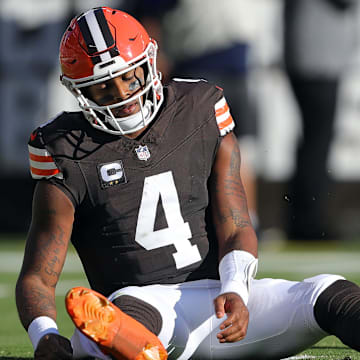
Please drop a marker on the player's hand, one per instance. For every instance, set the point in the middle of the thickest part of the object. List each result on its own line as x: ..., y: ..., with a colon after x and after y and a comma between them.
x: 234, y: 328
x: 53, y: 346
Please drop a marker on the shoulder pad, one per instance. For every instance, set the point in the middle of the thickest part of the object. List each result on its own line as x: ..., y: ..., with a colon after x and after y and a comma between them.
x: 188, y: 80
x: 212, y: 94
x: 197, y: 91
x: 188, y: 85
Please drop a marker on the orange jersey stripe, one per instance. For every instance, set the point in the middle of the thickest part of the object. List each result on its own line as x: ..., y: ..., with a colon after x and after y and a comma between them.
x: 222, y: 110
x: 42, y: 172
x: 41, y: 158
x: 226, y: 122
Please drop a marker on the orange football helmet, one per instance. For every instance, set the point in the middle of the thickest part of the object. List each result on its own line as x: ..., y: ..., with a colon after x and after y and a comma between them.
x: 99, y: 45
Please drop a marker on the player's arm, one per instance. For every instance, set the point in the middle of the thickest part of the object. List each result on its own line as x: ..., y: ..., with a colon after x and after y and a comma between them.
x: 45, y: 252
x: 236, y: 240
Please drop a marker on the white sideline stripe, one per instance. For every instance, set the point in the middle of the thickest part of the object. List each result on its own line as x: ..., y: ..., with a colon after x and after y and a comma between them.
x: 6, y: 291
x: 11, y: 261
x: 303, y: 264
x: 288, y: 262
x: 63, y: 286
x: 305, y: 357
x: 310, y: 263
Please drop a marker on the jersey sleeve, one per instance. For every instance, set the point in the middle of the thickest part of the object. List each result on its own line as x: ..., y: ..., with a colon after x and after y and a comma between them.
x: 223, y: 116
x: 63, y: 174
x: 42, y: 164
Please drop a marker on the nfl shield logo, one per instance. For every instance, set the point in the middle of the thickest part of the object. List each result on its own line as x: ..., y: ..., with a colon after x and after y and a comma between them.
x: 142, y: 152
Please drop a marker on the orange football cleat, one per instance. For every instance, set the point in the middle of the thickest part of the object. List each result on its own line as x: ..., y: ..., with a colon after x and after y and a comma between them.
x: 115, y: 332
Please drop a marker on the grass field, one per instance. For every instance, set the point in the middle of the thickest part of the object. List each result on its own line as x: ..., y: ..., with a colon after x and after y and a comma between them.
x: 291, y: 261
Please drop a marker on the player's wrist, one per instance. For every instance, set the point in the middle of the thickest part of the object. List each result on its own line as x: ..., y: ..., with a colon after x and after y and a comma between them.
x: 40, y: 327
x: 236, y: 287
x: 237, y: 269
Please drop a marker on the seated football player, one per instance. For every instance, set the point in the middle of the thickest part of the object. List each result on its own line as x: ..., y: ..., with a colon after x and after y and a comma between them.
x: 144, y: 181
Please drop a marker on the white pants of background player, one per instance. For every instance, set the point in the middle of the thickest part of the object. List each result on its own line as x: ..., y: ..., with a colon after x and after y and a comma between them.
x: 281, y: 322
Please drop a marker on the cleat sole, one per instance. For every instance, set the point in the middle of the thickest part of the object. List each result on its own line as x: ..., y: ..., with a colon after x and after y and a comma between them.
x: 92, y: 314
x: 115, y: 332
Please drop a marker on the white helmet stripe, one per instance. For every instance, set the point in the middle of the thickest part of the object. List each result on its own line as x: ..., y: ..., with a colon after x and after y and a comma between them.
x: 97, y: 35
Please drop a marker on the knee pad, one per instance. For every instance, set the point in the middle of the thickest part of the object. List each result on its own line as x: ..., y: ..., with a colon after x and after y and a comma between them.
x: 141, y: 311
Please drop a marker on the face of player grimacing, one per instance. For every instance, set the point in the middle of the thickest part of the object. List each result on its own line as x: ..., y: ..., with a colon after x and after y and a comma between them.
x: 119, y: 89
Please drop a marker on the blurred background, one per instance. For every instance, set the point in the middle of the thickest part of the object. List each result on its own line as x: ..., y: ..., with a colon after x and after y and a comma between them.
x: 290, y: 70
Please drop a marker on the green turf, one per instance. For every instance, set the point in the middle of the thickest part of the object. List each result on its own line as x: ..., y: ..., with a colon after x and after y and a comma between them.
x: 14, y: 342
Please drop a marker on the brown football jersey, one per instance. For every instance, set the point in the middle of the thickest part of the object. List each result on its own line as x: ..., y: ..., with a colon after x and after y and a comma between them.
x: 140, y: 204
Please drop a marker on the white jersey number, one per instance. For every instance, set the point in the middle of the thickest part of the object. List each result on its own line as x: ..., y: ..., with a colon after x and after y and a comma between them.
x: 177, y: 233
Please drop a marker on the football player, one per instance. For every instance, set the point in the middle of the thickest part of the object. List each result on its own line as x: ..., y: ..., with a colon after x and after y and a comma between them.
x: 144, y: 181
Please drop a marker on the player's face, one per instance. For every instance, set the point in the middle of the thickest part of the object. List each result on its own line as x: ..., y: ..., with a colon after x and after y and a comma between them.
x: 119, y: 89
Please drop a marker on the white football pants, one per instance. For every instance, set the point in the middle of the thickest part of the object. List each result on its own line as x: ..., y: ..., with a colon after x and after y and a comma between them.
x: 281, y: 322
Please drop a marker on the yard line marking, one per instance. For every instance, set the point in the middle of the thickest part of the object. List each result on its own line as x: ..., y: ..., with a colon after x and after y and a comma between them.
x: 309, y: 263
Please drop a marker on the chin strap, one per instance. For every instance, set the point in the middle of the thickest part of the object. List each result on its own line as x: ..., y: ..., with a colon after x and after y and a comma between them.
x: 132, y: 122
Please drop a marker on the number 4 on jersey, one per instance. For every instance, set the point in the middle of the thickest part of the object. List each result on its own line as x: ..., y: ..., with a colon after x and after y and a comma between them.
x: 177, y: 233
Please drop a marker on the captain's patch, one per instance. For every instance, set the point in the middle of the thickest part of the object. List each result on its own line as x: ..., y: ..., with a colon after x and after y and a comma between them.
x: 111, y: 174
